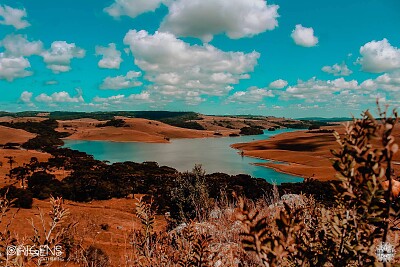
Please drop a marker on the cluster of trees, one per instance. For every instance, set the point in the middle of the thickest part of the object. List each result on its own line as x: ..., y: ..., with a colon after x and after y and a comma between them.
x: 113, y: 123
x: 91, y: 179
x: 105, y: 115
x: 251, y: 130
x: 301, y: 124
x: 47, y: 137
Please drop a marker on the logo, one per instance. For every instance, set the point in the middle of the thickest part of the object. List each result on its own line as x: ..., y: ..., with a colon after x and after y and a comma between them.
x: 43, y: 253
x: 385, y: 252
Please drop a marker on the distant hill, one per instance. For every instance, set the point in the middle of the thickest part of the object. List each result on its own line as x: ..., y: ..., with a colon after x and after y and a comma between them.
x: 190, y: 120
x: 320, y: 119
x: 108, y: 115
x: 174, y: 118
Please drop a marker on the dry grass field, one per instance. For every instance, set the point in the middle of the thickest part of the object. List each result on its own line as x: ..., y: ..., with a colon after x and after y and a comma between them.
x: 304, y: 154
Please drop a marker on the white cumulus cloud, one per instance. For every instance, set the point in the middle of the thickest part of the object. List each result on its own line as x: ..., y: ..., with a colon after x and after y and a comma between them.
x: 205, y: 18
x: 278, y: 84
x: 315, y: 90
x: 114, y: 99
x: 13, y: 17
x: 379, y: 56
x: 13, y: 67
x: 338, y: 70
x: 19, y: 45
x: 60, y: 97
x: 111, y: 56
x: 176, y: 68
x: 387, y: 82
x: 122, y: 82
x: 132, y: 8
x: 304, y: 36
x: 26, y: 98
x: 251, y: 95
x: 119, y: 100
x: 144, y: 96
x: 58, y: 57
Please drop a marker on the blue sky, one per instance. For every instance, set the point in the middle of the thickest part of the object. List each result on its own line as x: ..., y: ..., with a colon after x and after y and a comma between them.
x: 282, y: 58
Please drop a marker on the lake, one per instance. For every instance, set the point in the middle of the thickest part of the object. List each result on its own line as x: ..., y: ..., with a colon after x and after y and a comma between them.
x: 215, y: 154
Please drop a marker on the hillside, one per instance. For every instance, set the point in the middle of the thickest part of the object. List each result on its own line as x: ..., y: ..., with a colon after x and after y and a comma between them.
x: 10, y: 135
x: 135, y: 130
x: 304, y: 153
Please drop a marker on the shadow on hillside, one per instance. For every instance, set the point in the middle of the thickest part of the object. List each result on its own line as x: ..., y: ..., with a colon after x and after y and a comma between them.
x: 305, y: 143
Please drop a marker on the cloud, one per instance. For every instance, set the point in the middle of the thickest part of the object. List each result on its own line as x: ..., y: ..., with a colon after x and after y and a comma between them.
x: 315, y: 90
x: 278, y: 84
x: 341, y: 94
x: 379, y: 56
x: 337, y: 70
x: 51, y: 82
x: 331, y: 95
x: 132, y: 8
x: 387, y: 82
x: 26, y: 98
x: 304, y: 36
x: 122, y: 82
x: 118, y: 100
x: 251, y: 95
x: 144, y: 96
x: 111, y: 56
x: 193, y: 98
x: 60, y: 97
x: 18, y: 45
x: 254, y: 94
x: 13, y: 17
x: 13, y: 67
x: 205, y: 18
x: 176, y: 68
x: 58, y: 57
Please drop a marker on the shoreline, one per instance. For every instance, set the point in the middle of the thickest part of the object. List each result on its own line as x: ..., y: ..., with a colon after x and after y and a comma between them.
x: 272, y: 161
x: 116, y: 141
x: 148, y: 141
x: 281, y: 171
x: 297, y: 153
x: 287, y: 163
x: 303, y: 154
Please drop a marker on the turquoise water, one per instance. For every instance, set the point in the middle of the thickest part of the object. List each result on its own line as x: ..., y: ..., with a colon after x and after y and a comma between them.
x: 215, y: 154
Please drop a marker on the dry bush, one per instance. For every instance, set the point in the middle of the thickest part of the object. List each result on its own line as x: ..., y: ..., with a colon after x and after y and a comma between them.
x: 190, y: 197
x: 6, y: 239
x: 149, y: 248
x: 212, y: 242
x: 95, y: 257
x: 294, y: 230
x: 347, y: 234
x: 52, y: 233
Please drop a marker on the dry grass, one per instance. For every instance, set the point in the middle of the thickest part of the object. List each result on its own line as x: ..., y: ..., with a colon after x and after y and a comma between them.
x: 305, y: 154
x: 139, y: 130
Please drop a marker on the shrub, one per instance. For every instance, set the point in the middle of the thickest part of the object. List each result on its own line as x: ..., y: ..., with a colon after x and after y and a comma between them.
x: 43, y: 185
x: 96, y: 257
x: 22, y: 198
x: 251, y: 131
x: 190, y: 197
x: 113, y: 123
x: 314, y: 127
x: 347, y: 234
